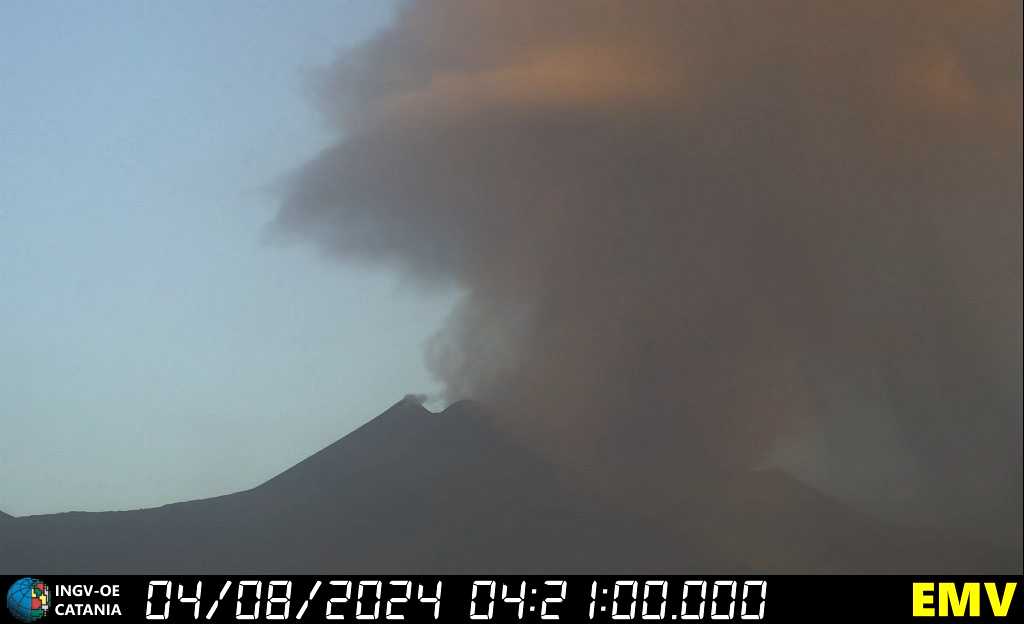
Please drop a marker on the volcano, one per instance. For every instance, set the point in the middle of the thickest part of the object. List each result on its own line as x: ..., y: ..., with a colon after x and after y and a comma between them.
x: 419, y: 492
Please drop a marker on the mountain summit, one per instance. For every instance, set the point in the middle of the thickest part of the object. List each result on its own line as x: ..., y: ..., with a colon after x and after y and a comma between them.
x: 410, y: 491
x: 417, y: 492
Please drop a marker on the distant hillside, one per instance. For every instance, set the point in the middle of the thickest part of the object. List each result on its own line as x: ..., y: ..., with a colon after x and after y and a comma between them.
x: 412, y: 491
x: 409, y: 491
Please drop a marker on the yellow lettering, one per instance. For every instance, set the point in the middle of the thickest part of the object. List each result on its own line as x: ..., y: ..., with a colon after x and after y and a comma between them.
x: 949, y: 599
x: 923, y: 599
x: 1000, y: 606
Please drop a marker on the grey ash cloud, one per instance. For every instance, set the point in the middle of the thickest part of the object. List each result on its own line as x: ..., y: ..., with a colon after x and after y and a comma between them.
x: 686, y: 232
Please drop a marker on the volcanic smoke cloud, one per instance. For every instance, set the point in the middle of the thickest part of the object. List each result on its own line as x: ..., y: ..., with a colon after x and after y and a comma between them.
x: 697, y: 234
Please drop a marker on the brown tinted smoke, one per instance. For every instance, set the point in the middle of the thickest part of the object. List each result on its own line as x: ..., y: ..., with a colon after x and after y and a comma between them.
x: 690, y: 233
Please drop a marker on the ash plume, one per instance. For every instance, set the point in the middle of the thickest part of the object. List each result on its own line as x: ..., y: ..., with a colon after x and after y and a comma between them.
x: 685, y: 233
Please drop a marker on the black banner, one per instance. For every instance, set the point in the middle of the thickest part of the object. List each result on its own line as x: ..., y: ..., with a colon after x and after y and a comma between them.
x: 506, y: 599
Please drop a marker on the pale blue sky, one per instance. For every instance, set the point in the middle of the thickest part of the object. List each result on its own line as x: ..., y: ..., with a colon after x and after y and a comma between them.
x: 152, y: 348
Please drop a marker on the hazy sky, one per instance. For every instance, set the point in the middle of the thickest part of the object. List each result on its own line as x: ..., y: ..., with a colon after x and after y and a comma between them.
x: 152, y: 347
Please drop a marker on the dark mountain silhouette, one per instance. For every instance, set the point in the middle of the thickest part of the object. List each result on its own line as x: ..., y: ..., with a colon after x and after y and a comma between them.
x: 409, y: 491
x: 413, y: 491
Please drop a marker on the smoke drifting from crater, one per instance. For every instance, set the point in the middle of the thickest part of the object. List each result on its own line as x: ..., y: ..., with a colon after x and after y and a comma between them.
x: 699, y: 229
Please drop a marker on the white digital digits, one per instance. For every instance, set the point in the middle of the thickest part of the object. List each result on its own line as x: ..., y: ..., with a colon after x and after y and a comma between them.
x: 552, y: 600
x: 492, y: 592
x: 255, y: 615
x: 663, y: 588
x: 521, y: 599
x: 285, y: 600
x: 167, y: 600
x: 192, y: 599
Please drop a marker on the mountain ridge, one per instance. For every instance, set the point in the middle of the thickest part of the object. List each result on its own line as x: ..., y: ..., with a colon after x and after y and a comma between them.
x: 412, y: 491
x: 408, y: 491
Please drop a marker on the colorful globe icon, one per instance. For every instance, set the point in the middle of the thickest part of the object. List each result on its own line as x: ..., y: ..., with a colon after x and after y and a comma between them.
x: 28, y: 599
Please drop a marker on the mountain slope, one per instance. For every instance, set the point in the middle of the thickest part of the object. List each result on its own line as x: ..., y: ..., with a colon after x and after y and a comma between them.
x: 412, y: 491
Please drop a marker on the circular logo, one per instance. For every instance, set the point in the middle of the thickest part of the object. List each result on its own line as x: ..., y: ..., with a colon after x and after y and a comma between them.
x: 28, y: 599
